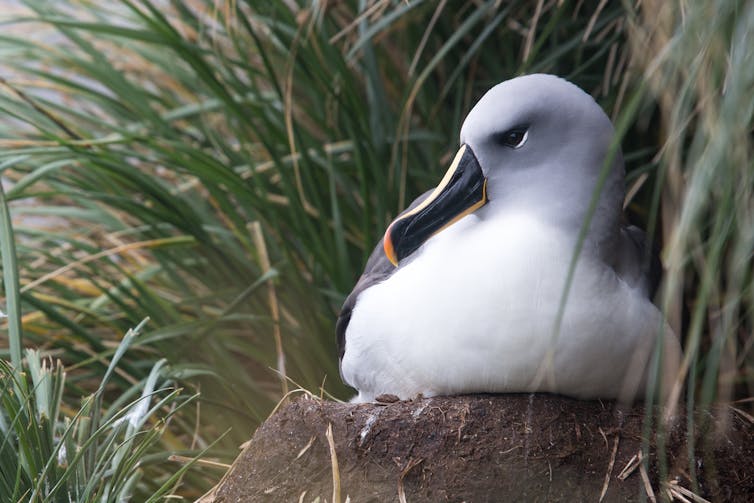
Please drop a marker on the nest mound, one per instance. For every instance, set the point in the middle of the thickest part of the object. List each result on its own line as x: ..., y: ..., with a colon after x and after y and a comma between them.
x: 480, y: 448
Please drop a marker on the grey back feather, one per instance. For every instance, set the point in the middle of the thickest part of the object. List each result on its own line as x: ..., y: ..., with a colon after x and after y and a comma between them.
x: 637, y: 261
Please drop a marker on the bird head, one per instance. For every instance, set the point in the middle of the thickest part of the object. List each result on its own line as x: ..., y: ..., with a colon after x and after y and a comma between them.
x: 537, y: 145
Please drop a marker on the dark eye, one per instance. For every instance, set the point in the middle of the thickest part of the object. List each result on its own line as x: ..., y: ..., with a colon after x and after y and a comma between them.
x: 513, y: 138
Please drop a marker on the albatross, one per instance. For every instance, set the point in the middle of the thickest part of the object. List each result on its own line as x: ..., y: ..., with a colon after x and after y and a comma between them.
x: 487, y: 283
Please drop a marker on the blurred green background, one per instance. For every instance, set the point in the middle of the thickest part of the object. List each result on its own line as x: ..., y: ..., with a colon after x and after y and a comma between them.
x: 224, y: 168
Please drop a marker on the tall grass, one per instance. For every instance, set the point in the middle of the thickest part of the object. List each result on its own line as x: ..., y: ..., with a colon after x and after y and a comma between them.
x: 699, y: 65
x: 93, y: 453
x: 225, y: 168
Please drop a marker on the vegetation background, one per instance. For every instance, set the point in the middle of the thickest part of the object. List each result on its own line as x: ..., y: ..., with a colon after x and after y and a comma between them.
x: 190, y: 189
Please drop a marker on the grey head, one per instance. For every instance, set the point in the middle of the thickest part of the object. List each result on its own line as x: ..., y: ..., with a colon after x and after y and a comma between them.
x: 554, y: 171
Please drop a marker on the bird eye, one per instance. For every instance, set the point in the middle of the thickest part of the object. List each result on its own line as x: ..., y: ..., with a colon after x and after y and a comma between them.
x: 513, y: 138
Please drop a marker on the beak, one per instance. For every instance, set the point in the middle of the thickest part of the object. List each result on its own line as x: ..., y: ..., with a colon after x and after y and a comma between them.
x: 462, y: 190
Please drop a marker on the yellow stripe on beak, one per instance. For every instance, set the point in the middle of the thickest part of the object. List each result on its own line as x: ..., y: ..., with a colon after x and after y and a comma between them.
x: 461, y: 191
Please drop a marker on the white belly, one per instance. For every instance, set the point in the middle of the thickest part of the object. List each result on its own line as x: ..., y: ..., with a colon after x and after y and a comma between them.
x: 477, y: 313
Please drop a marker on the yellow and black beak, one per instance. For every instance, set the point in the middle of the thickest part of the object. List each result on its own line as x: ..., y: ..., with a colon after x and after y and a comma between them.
x: 462, y: 190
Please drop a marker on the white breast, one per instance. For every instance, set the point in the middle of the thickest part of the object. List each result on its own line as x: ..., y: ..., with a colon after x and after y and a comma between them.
x: 477, y: 314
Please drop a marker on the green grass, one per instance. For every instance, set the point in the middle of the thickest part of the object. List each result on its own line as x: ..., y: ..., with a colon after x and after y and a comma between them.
x: 225, y: 169
x: 95, y: 453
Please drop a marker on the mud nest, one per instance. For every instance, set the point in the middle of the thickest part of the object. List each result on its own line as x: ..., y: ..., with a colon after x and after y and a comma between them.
x: 481, y: 448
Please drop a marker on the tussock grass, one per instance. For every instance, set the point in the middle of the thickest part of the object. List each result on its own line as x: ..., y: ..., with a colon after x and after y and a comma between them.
x: 699, y: 67
x: 51, y: 452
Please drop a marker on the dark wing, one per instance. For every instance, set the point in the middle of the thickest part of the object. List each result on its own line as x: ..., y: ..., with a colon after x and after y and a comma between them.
x: 378, y: 269
x: 639, y: 260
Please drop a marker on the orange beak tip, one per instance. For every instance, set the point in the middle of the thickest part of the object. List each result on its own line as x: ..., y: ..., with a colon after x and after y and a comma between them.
x: 387, y: 245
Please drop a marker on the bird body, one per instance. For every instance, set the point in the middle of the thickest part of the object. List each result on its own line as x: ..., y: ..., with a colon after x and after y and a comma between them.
x: 481, y: 298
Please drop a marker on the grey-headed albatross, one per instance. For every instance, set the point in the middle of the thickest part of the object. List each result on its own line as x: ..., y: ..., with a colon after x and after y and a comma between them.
x: 467, y: 291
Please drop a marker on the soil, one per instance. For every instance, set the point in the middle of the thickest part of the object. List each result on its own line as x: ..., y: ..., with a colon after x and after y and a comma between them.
x: 488, y: 448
